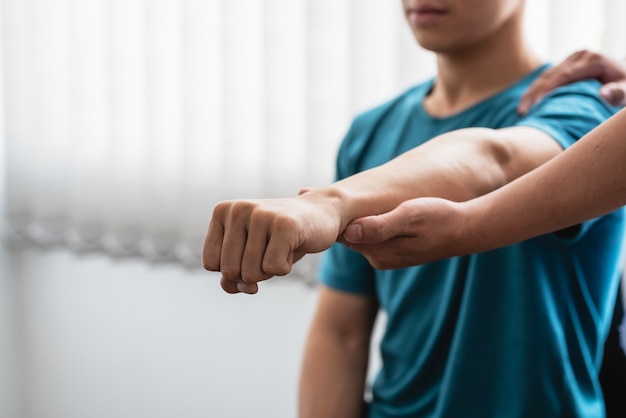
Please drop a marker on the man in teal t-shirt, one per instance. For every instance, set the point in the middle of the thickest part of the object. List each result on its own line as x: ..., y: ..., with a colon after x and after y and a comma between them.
x: 515, y: 332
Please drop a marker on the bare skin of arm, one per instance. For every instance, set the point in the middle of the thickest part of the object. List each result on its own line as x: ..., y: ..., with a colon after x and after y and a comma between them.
x: 579, y: 66
x: 336, y: 356
x: 252, y: 240
x: 583, y: 182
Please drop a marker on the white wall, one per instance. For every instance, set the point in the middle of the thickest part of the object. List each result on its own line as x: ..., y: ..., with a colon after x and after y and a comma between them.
x: 101, y: 338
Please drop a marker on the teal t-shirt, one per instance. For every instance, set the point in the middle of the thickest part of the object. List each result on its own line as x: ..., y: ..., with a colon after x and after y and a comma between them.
x: 514, y: 332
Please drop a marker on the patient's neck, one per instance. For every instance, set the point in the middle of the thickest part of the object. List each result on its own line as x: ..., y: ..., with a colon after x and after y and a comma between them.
x: 468, y: 76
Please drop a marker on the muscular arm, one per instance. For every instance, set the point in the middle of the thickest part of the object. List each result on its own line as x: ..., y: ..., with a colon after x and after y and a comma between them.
x: 336, y: 357
x: 249, y: 241
x: 585, y: 181
x: 458, y: 166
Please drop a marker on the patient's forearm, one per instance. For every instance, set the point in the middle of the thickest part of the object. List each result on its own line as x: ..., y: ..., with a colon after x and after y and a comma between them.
x: 459, y: 166
x: 585, y: 181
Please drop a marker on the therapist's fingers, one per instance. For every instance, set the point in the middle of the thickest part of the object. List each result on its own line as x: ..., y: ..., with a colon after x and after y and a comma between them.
x: 578, y: 66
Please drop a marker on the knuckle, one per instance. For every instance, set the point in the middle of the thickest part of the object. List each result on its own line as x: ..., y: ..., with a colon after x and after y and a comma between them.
x: 221, y: 209
x: 231, y: 274
x: 587, y: 54
x: 584, y: 55
x: 595, y: 59
x: 254, y: 276
x: 584, y: 52
x: 210, y: 265
x: 270, y: 218
x: 378, y: 230
x: 230, y: 290
x: 283, y: 222
x: 240, y: 209
x: 250, y: 276
x: 280, y: 222
x: 229, y: 286
x: 272, y: 268
x: 258, y: 214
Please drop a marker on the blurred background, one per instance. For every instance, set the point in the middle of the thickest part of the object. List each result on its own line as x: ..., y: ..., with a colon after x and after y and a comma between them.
x: 123, y: 122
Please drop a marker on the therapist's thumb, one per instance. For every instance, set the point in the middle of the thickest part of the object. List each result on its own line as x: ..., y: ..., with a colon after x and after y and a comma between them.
x: 371, y: 229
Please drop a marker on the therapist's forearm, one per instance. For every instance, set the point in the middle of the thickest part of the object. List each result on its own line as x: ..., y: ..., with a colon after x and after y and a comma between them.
x: 585, y: 181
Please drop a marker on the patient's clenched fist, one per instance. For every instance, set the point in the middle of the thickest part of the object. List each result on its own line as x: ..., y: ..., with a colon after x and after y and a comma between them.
x: 252, y: 240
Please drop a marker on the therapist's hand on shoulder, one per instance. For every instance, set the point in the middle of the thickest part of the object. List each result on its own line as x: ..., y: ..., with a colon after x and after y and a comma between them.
x: 579, y: 66
x: 418, y: 231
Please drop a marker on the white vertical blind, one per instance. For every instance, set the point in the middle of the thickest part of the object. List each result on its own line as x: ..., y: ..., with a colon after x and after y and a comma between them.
x: 575, y: 25
x: 89, y: 132
x: 125, y: 164
x: 615, y: 33
x: 125, y: 121
x: 285, y: 86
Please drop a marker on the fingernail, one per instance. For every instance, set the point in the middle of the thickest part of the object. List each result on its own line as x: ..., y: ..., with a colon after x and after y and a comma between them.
x: 353, y: 232
x: 243, y: 288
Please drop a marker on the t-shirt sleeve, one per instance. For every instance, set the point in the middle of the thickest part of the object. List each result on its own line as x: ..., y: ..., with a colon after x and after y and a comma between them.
x: 568, y: 114
x: 346, y: 270
x: 340, y: 267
